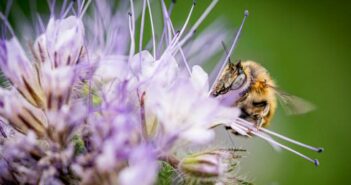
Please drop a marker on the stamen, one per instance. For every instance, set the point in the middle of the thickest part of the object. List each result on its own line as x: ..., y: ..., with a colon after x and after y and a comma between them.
x: 133, y: 14
x: 67, y: 10
x: 257, y: 133
x: 198, y: 22
x: 315, y: 161
x: 152, y: 29
x: 41, y: 23
x: 142, y: 27
x: 7, y: 24
x: 165, y: 26
x: 34, y: 13
x: 80, y: 6
x: 141, y: 32
x: 177, y: 35
x: 169, y: 33
x: 226, y: 50
x: 166, y: 19
x: 63, y: 7
x: 52, y: 7
x: 85, y: 8
x: 8, y: 7
x: 131, y: 32
x: 316, y: 149
x: 185, y: 24
x: 231, y: 49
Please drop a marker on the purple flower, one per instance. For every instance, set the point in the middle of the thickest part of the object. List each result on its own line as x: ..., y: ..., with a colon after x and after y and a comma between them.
x: 88, y: 106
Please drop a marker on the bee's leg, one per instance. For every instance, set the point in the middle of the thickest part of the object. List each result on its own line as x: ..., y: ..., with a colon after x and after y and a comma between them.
x: 232, y: 131
x: 237, y: 133
x: 259, y: 122
x: 229, y: 129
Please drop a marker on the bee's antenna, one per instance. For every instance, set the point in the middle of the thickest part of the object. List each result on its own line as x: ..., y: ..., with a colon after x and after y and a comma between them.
x: 226, y: 50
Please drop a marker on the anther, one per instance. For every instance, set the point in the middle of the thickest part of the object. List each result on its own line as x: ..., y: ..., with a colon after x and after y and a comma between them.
x: 316, y: 162
x: 246, y: 13
x: 320, y: 150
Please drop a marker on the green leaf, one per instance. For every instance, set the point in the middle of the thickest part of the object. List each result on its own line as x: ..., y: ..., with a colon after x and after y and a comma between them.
x: 79, y: 146
x: 165, y: 175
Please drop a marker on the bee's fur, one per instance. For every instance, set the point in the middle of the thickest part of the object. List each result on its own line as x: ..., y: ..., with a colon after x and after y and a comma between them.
x: 259, y: 103
x: 257, y: 100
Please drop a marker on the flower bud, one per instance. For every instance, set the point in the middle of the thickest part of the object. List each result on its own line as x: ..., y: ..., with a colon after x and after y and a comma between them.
x: 211, y: 166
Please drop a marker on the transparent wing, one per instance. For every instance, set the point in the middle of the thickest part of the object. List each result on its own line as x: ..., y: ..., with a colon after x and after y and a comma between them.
x: 292, y: 104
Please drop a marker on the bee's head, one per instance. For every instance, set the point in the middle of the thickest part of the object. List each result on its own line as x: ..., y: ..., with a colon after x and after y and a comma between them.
x: 239, y: 67
x: 233, y: 77
x: 239, y: 77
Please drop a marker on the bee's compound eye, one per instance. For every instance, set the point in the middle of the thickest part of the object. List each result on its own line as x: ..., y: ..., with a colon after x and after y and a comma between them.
x: 238, y: 82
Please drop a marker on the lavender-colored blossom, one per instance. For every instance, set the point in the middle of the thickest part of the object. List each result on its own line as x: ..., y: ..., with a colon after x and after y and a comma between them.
x: 185, y: 111
x: 20, y: 71
x: 22, y: 115
x: 87, y: 105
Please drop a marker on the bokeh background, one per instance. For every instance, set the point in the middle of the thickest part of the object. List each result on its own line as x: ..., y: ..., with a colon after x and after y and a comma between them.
x: 306, y: 47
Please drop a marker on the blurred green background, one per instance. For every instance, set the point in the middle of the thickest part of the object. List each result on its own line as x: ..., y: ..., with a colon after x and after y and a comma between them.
x: 306, y: 47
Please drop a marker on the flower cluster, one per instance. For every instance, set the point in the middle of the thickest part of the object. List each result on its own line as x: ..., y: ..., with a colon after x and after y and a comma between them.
x: 85, y: 105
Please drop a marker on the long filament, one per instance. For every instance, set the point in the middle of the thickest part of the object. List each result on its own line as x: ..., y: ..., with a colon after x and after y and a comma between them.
x: 185, y: 24
x: 316, y: 149
x: 7, y: 24
x: 257, y: 133
x: 198, y: 22
x: 142, y: 27
x: 231, y: 48
x: 177, y: 35
x: 152, y: 29
x: 165, y: 22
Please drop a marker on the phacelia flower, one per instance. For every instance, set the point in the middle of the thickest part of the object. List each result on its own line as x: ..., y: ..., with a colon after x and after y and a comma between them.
x: 88, y: 103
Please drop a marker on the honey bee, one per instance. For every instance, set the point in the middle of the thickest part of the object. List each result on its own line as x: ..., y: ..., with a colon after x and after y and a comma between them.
x: 257, y: 91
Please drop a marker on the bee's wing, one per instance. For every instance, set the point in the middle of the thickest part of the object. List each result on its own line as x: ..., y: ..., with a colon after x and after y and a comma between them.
x: 292, y: 104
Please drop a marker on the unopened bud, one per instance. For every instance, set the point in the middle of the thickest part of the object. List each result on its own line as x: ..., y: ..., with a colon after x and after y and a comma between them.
x: 216, y: 165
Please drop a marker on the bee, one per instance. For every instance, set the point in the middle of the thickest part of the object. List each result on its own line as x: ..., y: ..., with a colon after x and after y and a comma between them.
x: 258, y: 93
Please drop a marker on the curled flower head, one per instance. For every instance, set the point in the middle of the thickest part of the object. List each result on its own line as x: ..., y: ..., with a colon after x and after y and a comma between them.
x: 20, y: 72
x: 20, y: 113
